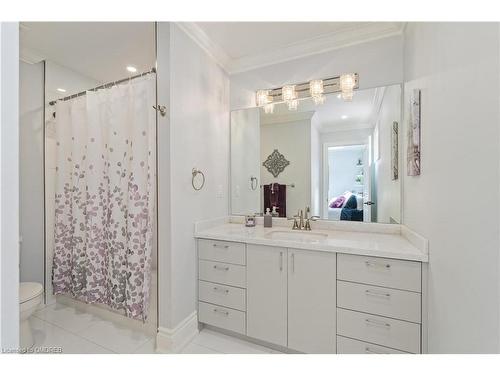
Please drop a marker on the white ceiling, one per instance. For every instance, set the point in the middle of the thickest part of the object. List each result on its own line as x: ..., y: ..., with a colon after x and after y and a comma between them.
x: 101, y: 50
x: 240, y: 46
x: 98, y: 50
x: 360, y: 112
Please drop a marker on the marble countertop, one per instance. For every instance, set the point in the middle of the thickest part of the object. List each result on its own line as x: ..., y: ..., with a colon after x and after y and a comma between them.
x: 393, y: 244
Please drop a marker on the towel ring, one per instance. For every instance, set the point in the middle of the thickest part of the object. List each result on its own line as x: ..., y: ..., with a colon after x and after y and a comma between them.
x: 195, y: 172
x: 252, y: 180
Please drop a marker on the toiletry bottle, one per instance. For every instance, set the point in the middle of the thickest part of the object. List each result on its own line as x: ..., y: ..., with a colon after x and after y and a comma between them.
x: 275, y: 213
x: 268, y: 219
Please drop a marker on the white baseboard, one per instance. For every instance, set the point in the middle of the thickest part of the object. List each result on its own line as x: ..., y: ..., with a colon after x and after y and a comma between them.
x: 173, y: 340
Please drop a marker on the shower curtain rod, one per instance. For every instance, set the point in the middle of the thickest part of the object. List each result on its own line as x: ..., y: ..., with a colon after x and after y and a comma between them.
x: 106, y: 85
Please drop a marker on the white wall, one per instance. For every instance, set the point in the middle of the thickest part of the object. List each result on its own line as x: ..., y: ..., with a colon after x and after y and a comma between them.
x: 245, y: 161
x: 293, y: 140
x: 388, y: 191
x: 31, y: 90
x: 379, y: 63
x: 343, y: 170
x: 455, y: 201
x: 198, y: 136
x: 9, y: 183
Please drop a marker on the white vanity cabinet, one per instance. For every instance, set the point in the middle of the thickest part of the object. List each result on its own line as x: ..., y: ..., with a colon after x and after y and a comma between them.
x: 291, y: 298
x: 379, y: 302
x: 267, y: 293
x: 311, y: 301
x: 222, y: 284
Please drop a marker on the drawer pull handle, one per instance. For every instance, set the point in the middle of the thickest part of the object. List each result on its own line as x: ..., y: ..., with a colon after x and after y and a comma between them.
x: 221, y: 268
x: 225, y: 291
x: 221, y: 246
x: 377, y: 323
x: 377, y: 294
x: 371, y: 351
x: 375, y: 264
x: 217, y: 311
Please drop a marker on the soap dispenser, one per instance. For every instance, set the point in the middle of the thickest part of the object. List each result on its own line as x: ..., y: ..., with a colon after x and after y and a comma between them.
x: 268, y: 219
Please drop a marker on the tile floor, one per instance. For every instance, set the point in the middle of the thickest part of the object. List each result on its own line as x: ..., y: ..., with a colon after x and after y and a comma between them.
x: 75, y: 331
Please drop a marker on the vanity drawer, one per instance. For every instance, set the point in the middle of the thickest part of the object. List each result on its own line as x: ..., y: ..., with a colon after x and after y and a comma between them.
x: 393, y: 303
x: 392, y: 333
x: 222, y: 317
x: 222, y: 295
x: 222, y: 251
x: 392, y: 273
x: 350, y: 346
x: 223, y: 273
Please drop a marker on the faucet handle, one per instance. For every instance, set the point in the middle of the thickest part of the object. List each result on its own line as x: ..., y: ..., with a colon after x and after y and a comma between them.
x: 295, y: 222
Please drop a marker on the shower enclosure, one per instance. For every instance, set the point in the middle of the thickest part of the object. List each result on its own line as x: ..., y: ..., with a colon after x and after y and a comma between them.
x: 98, y: 145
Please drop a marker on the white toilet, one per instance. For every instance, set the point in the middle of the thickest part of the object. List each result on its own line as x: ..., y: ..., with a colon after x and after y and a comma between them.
x: 30, y: 297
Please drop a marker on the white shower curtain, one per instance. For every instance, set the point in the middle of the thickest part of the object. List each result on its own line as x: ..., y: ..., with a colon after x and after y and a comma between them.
x: 104, y: 202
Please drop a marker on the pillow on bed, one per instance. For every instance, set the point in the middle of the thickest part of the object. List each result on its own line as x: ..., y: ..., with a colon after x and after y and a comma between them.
x: 337, y: 202
x: 352, y: 202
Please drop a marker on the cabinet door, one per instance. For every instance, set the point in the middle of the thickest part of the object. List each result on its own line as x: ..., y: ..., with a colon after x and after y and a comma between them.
x: 267, y: 293
x: 311, y: 301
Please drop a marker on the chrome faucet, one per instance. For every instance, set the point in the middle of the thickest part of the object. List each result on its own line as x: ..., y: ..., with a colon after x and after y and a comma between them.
x: 304, y: 222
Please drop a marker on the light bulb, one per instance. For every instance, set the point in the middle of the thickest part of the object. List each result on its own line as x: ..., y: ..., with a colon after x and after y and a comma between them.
x: 288, y: 93
x: 293, y: 104
x: 347, y: 83
x: 131, y: 69
x: 316, y: 87
x: 263, y: 98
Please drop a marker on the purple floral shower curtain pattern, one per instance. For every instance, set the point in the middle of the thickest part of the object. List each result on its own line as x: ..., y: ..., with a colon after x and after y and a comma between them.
x: 104, y: 202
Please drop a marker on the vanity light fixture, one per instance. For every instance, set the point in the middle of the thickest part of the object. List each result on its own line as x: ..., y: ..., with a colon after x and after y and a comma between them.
x: 343, y: 86
x: 131, y: 69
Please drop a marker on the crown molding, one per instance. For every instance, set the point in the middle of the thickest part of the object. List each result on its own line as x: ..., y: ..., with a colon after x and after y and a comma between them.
x: 328, y: 42
x: 206, y: 44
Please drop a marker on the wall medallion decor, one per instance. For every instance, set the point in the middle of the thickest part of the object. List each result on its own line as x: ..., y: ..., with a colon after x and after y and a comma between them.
x: 276, y: 163
x: 413, y: 150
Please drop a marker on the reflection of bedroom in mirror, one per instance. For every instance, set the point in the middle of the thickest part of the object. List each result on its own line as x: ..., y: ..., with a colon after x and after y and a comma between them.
x: 334, y: 157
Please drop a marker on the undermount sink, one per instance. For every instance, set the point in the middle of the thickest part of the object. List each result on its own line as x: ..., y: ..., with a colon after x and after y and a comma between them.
x: 296, y: 236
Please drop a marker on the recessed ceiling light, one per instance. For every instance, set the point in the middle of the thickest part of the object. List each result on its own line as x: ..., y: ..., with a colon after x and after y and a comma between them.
x: 132, y: 69
x: 344, y: 117
x: 61, y: 90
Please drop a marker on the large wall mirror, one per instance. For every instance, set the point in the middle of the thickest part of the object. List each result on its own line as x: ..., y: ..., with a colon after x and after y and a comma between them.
x: 340, y: 158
